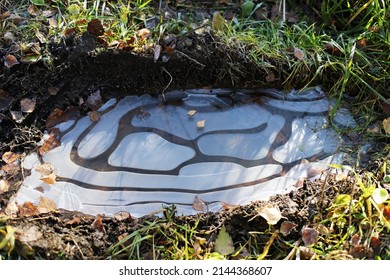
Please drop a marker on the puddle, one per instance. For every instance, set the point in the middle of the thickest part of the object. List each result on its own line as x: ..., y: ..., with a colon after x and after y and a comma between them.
x: 188, y: 146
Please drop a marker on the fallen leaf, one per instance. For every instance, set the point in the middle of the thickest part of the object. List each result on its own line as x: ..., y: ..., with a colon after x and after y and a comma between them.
x: 270, y: 77
x: 386, y: 125
x: 98, y: 223
x: 191, y: 113
x: 198, y: 204
x: 40, y: 189
x: 33, y: 10
x: 122, y: 216
x: 270, y: 213
x: 28, y: 209
x: 299, y: 183
x: 309, y: 236
x: 355, y: 240
x: 10, y: 61
x: 12, y: 208
x: 228, y: 207
x: 375, y: 243
x: 27, y: 105
x: 156, y: 52
x: 313, y: 172
x: 95, y: 27
x: 299, y: 53
x: 11, y: 168
x: 331, y: 49
x: 31, y: 58
x: 224, y: 243
x: 53, y: 22
x: 49, y: 13
x: 169, y: 50
x: 53, y: 141
x: 144, y: 33
x: 4, y: 186
x: 10, y: 157
x: 361, y: 43
x: 75, y: 220
x: 95, y: 116
x: 306, y: 253
x: 286, y: 227
x: 49, y: 179
x: 46, y: 205
x: 9, y: 37
x: 201, y: 124
x: 218, y: 23
x: 40, y: 37
x: 386, y: 212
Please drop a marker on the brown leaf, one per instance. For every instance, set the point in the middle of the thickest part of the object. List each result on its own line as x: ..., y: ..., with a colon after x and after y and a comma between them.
x: 75, y: 220
x: 9, y: 37
x: 4, y: 186
x: 144, y: 33
x: 50, y: 143
x: 53, y: 22
x: 46, y: 205
x: 10, y: 61
x: 386, y: 212
x: 10, y: 157
x: 12, y: 208
x: 11, y: 168
x: 169, y: 50
x: 218, y: 23
x: 49, y: 13
x: 270, y: 77
x: 28, y: 209
x: 49, y: 179
x: 157, y: 52
x: 331, y: 49
x: 355, y: 240
x: 313, y: 171
x: 375, y: 244
x: 33, y: 10
x: 309, y: 236
x: 95, y: 116
x: 299, y: 53
x: 122, y: 216
x: 198, y: 204
x: 98, y: 223
x: 386, y: 125
x: 29, y: 235
x: 286, y: 227
x: 228, y: 207
x: 52, y: 90
x: 40, y: 189
x: 270, y: 213
x: 95, y: 27
x: 27, y: 105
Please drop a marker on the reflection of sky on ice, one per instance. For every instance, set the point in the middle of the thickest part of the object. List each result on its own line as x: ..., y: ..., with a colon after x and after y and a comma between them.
x: 160, y: 157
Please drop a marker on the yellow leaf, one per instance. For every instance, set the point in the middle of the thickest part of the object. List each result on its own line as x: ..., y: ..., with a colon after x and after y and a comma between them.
x: 218, y: 22
x: 224, y: 243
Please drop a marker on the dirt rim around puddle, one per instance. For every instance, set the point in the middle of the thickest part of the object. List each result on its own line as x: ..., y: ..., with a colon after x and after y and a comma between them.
x: 80, y: 68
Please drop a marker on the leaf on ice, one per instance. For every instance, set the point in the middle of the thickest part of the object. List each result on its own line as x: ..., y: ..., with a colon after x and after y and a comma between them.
x: 49, y: 179
x: 191, y: 113
x: 198, y: 204
x: 27, y: 105
x: 95, y: 116
x: 224, y: 242
x: 10, y: 157
x: 309, y: 236
x: 46, y: 205
x: 270, y: 213
x: 201, y: 124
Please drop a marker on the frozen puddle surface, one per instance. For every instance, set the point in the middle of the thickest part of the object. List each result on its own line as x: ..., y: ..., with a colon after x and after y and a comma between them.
x: 191, y: 146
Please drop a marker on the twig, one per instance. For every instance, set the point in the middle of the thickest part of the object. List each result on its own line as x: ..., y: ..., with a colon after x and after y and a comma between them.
x: 166, y: 71
x: 190, y: 58
x: 294, y: 250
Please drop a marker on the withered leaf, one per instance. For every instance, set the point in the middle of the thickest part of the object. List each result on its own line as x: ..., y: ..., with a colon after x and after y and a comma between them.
x: 10, y: 157
x: 12, y: 208
x: 218, y: 23
x: 270, y: 77
x: 94, y: 100
x: 201, y: 124
x: 355, y: 240
x: 286, y: 227
x: 95, y: 116
x: 386, y: 125
x: 157, y: 52
x: 53, y: 141
x: 309, y: 236
x: 46, y: 205
x: 32, y: 234
x: 31, y: 58
x: 95, y: 27
x: 49, y: 13
x: 27, y: 105
x: 33, y: 10
x: 299, y: 53
x: 191, y: 113
x: 386, y: 212
x: 270, y: 213
x: 313, y: 172
x: 73, y: 221
x: 28, y: 209
x: 198, y: 204
x: 52, y: 90
x: 98, y: 223
x: 11, y: 168
x: 122, y: 216
x: 4, y: 186
x: 10, y: 61
x: 228, y: 207
x: 49, y: 179
x: 144, y: 33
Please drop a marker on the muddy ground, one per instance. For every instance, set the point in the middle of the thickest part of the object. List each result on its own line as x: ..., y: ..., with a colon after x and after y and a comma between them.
x: 80, y: 67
